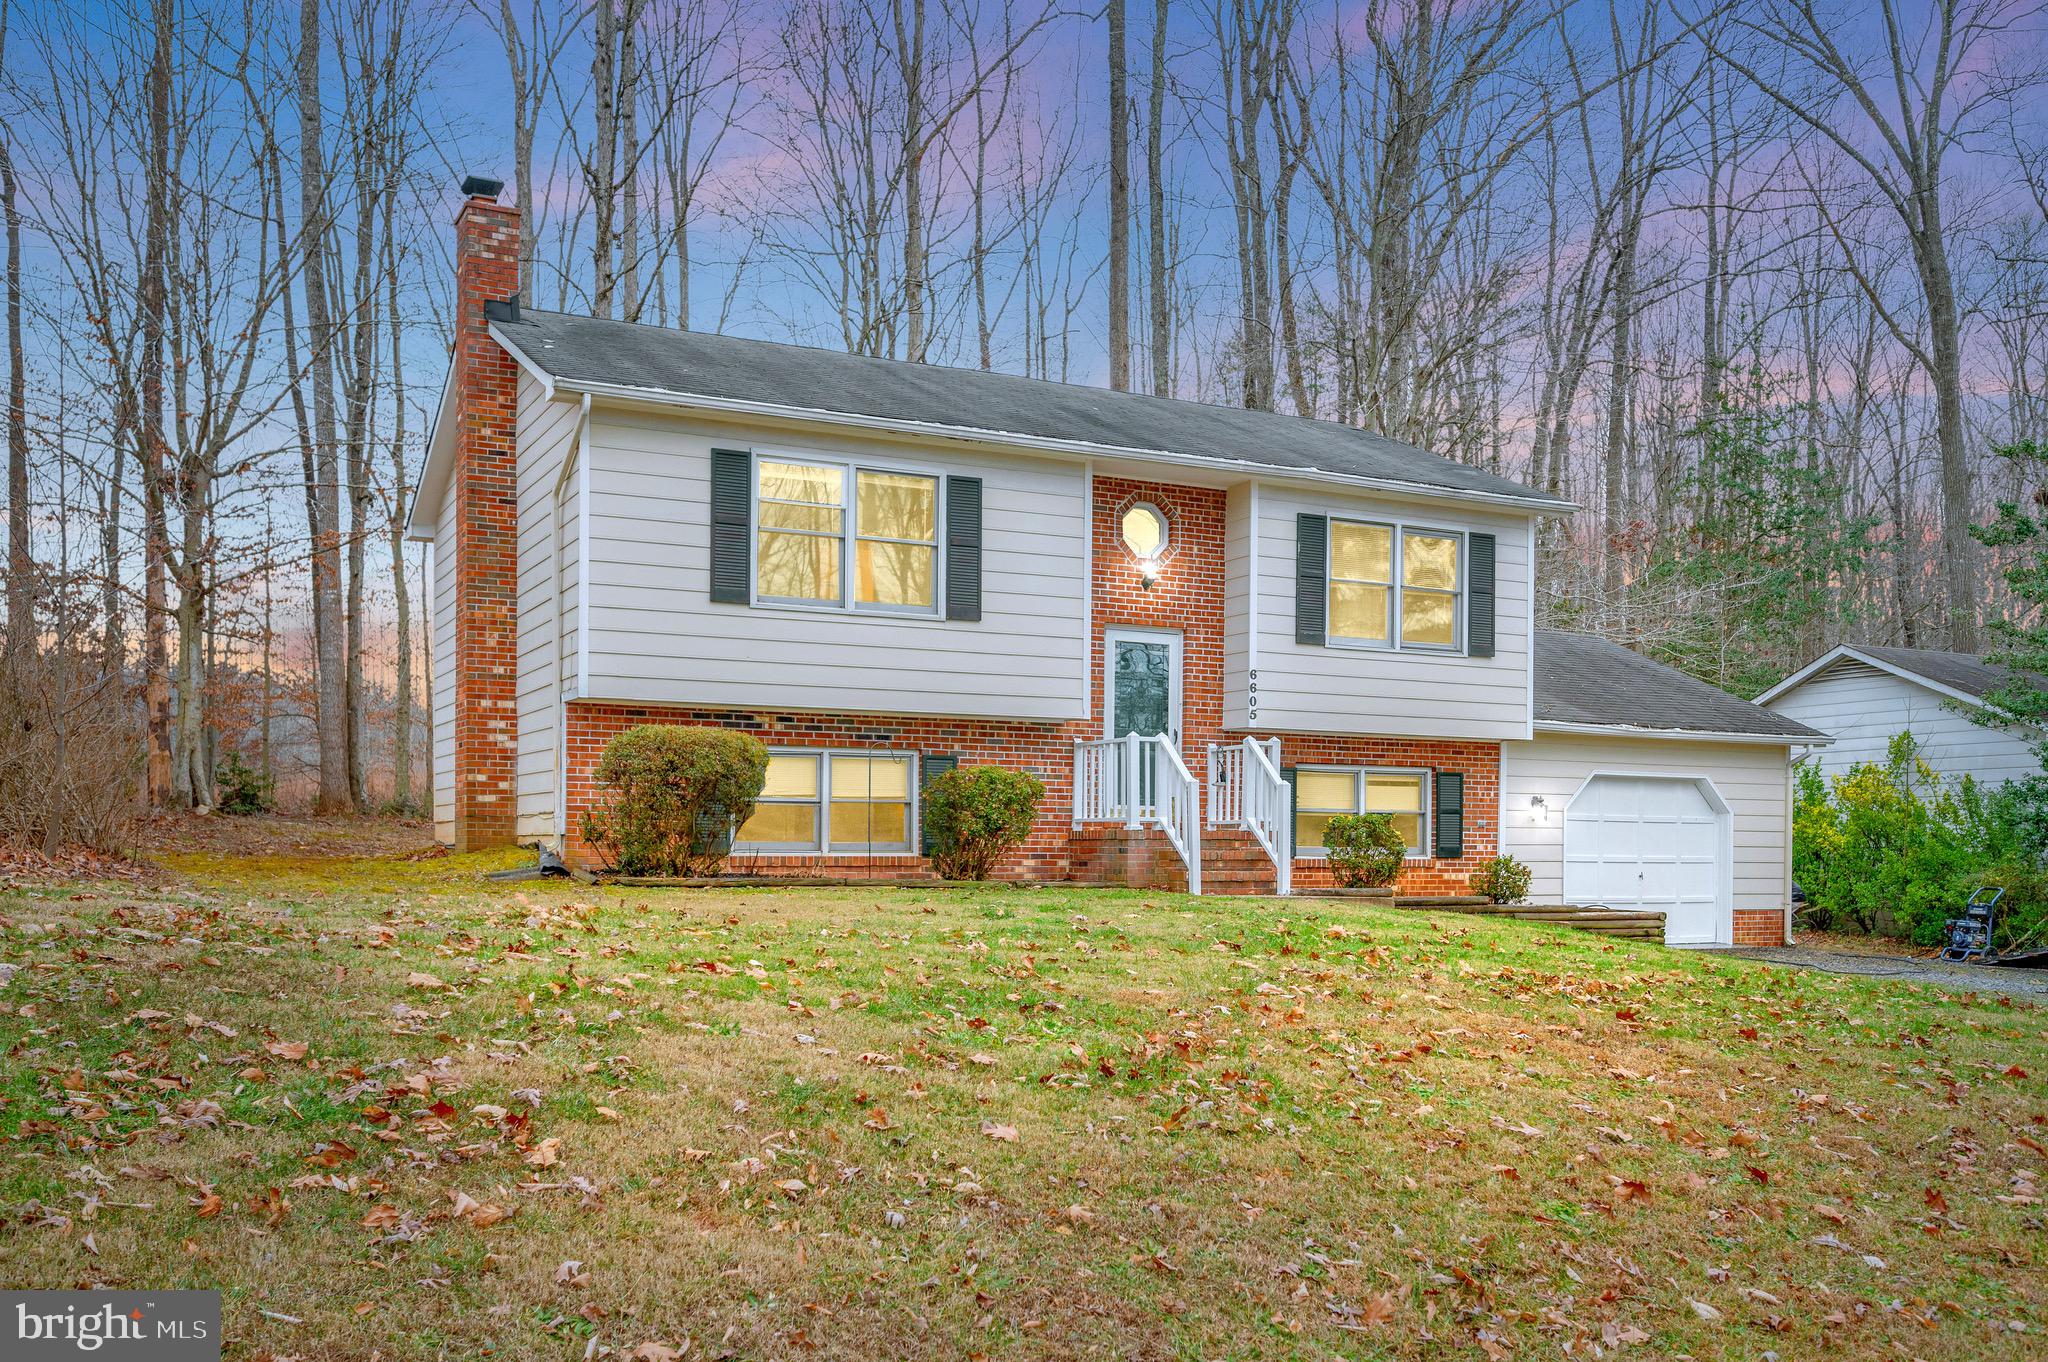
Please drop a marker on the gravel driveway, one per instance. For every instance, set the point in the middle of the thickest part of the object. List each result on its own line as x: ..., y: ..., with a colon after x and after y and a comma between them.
x: 1982, y: 978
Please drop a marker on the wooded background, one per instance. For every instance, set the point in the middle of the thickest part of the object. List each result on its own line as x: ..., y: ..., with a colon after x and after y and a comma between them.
x: 1760, y: 285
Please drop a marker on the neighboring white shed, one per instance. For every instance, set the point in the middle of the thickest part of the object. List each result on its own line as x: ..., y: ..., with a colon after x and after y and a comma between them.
x: 1863, y: 697
x: 1645, y: 788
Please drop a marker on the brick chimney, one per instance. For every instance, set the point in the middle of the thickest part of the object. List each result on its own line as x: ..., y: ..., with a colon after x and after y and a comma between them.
x: 485, y: 487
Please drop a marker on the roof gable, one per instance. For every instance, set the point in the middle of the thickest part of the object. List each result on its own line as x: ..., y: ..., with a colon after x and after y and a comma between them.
x: 1963, y: 677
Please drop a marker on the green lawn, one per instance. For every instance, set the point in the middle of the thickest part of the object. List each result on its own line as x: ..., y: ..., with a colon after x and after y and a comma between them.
x: 386, y: 1106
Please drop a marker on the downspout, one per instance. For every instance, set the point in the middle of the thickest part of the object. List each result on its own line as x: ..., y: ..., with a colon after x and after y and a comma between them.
x: 572, y: 464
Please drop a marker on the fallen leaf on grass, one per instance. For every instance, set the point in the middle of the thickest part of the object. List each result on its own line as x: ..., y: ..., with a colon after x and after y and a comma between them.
x: 999, y: 1132
x: 1704, y: 1311
x: 287, y: 1049
x: 656, y: 1352
x: 571, y: 1273
x: 427, y: 981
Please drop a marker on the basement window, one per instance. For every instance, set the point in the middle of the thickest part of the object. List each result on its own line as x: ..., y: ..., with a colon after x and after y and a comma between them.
x: 820, y: 802
x: 1321, y: 793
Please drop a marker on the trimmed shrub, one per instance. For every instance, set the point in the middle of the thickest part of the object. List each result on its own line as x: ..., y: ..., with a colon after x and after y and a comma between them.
x: 243, y: 789
x: 1365, y: 850
x: 1502, y: 879
x: 974, y: 815
x: 672, y: 798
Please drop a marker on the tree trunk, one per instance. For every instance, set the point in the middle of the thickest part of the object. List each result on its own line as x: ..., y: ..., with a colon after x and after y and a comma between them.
x: 1945, y: 347
x: 629, y: 163
x: 331, y: 698
x: 600, y: 169
x: 1119, y: 206
x: 1155, y: 214
x: 153, y: 307
x: 21, y: 624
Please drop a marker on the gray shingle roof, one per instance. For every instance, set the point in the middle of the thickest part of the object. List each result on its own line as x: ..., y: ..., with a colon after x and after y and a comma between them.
x: 1585, y: 680
x: 1965, y: 672
x: 576, y: 350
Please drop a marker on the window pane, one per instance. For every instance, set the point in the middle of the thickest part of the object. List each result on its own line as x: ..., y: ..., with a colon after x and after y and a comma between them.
x: 898, y: 506
x: 803, y: 482
x: 801, y: 567
x: 1361, y: 552
x: 783, y: 515
x: 1429, y: 617
x: 1358, y: 611
x: 782, y: 825
x: 1309, y: 829
x: 1393, y: 794
x: 791, y: 776
x: 1430, y: 560
x: 893, y: 574
x: 1144, y: 530
x: 871, y: 778
x: 858, y: 824
x: 1409, y: 825
x: 1329, y: 791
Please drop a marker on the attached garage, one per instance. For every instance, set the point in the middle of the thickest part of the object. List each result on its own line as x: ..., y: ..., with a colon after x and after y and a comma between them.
x: 1645, y: 788
x: 1656, y: 842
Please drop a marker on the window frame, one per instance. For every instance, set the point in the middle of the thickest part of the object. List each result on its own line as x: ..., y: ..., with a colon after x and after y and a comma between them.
x: 849, y: 535
x: 1397, y: 589
x: 1425, y: 778
x: 822, y: 803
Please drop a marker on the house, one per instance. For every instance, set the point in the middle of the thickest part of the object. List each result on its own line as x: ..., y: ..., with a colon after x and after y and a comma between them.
x: 1208, y: 630
x: 1864, y: 696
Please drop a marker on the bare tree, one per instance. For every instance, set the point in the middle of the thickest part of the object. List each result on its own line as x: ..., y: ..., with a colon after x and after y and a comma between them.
x: 1925, y: 90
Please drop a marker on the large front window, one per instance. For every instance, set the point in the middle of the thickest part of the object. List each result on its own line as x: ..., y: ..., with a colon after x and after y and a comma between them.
x: 1389, y: 583
x: 832, y: 801
x: 1320, y: 794
x: 811, y: 543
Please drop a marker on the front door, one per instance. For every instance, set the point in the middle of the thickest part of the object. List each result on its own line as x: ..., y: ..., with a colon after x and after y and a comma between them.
x: 1141, y: 692
x: 1141, y: 684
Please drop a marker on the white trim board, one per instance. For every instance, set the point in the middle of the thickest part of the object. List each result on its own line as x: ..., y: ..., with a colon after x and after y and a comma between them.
x: 1681, y: 734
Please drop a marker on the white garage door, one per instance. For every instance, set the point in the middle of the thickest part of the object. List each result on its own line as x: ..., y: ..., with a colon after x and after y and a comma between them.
x: 1648, y: 842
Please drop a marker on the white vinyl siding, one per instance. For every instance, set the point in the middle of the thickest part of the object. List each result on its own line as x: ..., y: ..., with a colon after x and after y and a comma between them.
x: 444, y: 672
x: 655, y: 636
x: 547, y: 436
x: 1751, y: 779
x: 1862, y: 708
x: 1303, y: 688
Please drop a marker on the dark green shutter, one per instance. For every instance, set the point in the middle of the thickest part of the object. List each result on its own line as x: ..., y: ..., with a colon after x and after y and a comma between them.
x: 929, y: 768
x: 963, y: 548
x: 732, y: 497
x: 1287, y: 774
x: 1479, y: 595
x: 1311, y: 578
x: 1450, y: 815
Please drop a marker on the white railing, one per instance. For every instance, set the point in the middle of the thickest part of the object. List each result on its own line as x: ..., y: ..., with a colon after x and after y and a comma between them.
x: 1246, y: 791
x: 1141, y: 782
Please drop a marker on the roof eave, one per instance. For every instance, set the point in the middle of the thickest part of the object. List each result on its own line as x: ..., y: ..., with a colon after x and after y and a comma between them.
x: 668, y: 397
x: 434, y: 468
x: 1684, y: 734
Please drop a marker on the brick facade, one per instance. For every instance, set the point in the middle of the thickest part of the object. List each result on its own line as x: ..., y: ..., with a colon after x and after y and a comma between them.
x: 484, y: 484
x: 1188, y: 597
x: 1759, y: 927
